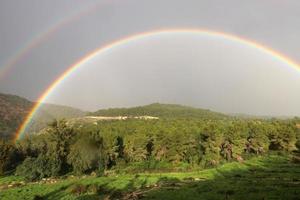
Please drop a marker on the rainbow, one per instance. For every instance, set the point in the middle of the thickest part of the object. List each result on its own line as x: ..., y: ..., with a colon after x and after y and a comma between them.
x: 43, y: 36
x: 278, y: 56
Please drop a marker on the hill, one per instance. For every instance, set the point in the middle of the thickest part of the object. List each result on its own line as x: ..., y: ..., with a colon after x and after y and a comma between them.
x: 13, y: 110
x: 161, y: 111
x: 49, y: 112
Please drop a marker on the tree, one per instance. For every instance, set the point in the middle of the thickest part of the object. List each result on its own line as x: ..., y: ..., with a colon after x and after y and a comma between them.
x: 282, y: 135
x: 149, y: 148
x: 86, y: 155
x: 60, y: 138
x: 8, y: 156
x: 210, y: 141
x: 119, y: 147
x: 257, y: 140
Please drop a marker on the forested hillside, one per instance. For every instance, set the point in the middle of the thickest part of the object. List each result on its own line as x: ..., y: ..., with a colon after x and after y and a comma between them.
x: 162, y: 111
x: 13, y: 110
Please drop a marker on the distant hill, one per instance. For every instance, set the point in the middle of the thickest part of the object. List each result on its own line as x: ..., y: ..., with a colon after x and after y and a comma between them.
x: 49, y: 112
x: 161, y: 111
x: 13, y: 110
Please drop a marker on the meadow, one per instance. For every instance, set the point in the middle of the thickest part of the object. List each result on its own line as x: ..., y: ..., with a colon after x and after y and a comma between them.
x: 273, y: 176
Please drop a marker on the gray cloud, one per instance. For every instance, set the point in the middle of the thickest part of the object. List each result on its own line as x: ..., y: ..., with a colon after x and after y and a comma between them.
x: 221, y: 75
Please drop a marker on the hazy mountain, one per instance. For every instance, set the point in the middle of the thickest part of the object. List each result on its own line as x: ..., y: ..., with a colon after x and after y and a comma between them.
x: 13, y: 110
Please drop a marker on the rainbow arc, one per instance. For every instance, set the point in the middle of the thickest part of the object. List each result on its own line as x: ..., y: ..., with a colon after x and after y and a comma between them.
x: 71, y: 69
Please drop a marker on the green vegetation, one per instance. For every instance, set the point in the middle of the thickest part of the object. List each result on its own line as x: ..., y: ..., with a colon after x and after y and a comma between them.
x: 155, y: 145
x: 9, y: 156
x: 263, y: 177
x: 162, y: 111
x: 181, y: 154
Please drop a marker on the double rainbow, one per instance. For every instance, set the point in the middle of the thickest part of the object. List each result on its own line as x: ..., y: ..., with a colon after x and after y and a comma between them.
x: 278, y: 56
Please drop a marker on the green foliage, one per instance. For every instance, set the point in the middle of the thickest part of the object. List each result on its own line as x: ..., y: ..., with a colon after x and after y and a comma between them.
x: 163, y: 111
x: 182, y: 139
x: 37, y: 168
x: 9, y: 156
x: 49, y: 152
x: 143, y: 145
x: 86, y: 155
x: 210, y: 142
x: 119, y: 147
x: 60, y: 139
x: 149, y: 148
x: 283, y: 136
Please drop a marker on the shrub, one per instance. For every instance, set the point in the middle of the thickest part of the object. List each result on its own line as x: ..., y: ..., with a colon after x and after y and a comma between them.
x: 33, y: 169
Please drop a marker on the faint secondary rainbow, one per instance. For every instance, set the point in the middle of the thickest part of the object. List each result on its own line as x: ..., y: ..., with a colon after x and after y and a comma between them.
x: 247, y: 42
x: 41, y: 37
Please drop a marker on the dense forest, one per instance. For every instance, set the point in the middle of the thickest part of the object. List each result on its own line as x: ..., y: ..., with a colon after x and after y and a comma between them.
x: 138, y: 145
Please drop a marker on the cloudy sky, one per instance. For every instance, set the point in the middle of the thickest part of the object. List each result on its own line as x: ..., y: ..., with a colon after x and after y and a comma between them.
x: 41, y: 39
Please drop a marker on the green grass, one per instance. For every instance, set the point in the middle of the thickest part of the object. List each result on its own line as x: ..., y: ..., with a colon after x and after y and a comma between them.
x: 10, y: 179
x: 269, y: 177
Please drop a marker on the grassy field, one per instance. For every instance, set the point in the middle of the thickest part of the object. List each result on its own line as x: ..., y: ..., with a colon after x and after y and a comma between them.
x: 268, y: 177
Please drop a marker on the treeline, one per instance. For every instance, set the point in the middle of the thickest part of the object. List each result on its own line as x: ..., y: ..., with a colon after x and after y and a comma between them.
x: 143, y: 145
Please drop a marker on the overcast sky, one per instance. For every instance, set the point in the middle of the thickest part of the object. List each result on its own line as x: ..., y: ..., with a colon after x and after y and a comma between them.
x: 43, y: 38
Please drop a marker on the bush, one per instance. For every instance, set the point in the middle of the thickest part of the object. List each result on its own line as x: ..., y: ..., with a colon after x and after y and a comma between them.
x: 33, y: 169
x: 26, y: 169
